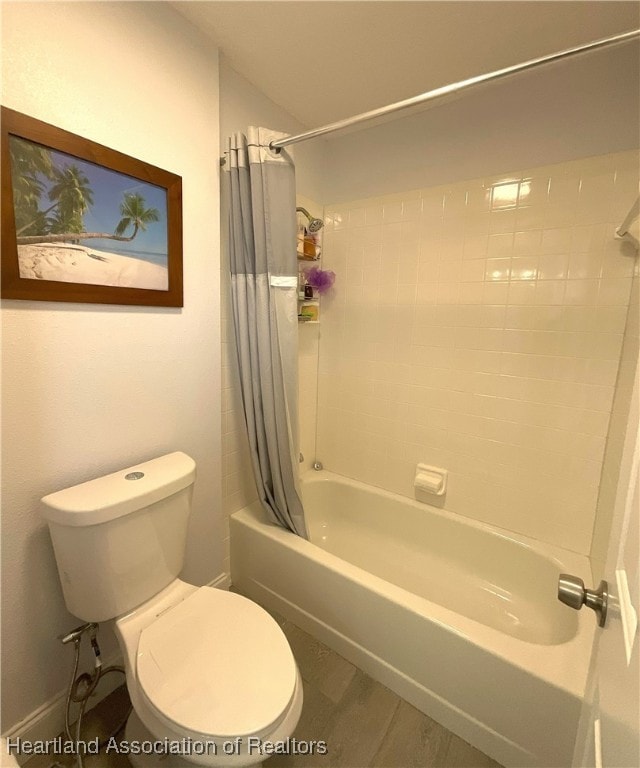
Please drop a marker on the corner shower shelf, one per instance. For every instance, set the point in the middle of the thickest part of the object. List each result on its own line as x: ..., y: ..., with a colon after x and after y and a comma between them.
x: 306, y: 247
x: 302, y: 318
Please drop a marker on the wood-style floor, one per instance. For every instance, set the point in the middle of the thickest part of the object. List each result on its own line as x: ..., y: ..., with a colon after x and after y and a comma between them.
x: 364, y: 724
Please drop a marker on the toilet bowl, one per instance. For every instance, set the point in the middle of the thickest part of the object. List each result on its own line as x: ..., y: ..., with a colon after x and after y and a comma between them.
x: 212, y: 669
x: 210, y: 674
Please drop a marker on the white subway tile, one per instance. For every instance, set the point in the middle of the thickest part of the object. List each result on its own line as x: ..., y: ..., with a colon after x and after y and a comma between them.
x: 412, y: 209
x: 549, y: 293
x: 472, y: 270
x: 618, y: 265
x: 556, y: 240
x: 471, y: 293
x: 534, y: 191
x: 374, y: 214
x: 491, y: 349
x: 522, y: 292
x: 504, y: 195
x: 455, y: 202
x: 583, y: 292
x: 477, y: 224
x: 564, y: 191
x: 357, y: 217
x: 392, y: 211
x: 406, y: 293
x: 475, y: 246
x: 478, y: 198
x: 553, y: 266
x: 447, y: 293
x: 527, y: 243
x: 495, y: 292
x: 499, y: 245
x: 559, y: 216
x: 492, y: 316
x: 614, y: 292
x: 589, y: 238
x: 502, y: 220
x: 524, y: 268
x: 529, y: 218
x: 427, y: 293
x: 585, y: 265
x: 602, y: 372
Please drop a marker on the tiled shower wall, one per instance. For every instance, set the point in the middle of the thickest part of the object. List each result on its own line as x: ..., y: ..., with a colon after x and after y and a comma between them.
x: 478, y: 327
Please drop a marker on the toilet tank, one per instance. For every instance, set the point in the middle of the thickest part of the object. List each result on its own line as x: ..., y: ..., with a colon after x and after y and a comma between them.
x: 120, y: 539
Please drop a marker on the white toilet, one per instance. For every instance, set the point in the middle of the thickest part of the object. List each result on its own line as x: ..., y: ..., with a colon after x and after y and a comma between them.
x: 207, y: 670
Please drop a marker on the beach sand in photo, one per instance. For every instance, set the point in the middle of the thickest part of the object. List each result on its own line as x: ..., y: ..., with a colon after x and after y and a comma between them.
x: 79, y: 264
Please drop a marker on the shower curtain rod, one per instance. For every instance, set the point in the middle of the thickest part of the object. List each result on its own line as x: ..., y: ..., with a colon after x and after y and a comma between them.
x: 448, y: 90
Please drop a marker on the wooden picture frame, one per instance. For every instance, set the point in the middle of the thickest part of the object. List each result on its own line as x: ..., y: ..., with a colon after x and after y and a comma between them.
x: 57, y: 187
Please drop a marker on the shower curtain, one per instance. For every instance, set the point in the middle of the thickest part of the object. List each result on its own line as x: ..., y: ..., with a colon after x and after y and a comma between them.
x: 264, y: 286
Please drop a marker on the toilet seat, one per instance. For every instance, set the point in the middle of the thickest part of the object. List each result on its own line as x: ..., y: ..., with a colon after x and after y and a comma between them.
x: 216, y: 665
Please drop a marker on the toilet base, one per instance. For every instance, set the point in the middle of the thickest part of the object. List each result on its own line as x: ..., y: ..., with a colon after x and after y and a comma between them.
x: 137, y: 732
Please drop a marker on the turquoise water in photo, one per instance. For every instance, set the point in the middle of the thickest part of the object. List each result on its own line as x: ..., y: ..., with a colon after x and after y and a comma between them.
x: 110, y: 246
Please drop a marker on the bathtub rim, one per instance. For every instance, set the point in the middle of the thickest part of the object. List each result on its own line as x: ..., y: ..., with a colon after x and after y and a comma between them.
x: 550, y: 551
x: 525, y: 569
x: 563, y: 665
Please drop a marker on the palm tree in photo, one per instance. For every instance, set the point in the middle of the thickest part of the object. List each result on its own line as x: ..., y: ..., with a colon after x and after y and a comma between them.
x: 27, y: 191
x: 29, y: 163
x: 135, y: 214
x: 72, y: 197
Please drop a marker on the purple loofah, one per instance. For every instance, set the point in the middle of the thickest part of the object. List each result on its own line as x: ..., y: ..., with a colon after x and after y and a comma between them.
x: 320, y: 279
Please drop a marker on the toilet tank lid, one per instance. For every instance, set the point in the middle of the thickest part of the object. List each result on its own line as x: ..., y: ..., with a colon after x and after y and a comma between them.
x: 120, y: 493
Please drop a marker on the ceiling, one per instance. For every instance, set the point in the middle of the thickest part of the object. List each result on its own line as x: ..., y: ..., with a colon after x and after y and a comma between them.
x: 324, y: 60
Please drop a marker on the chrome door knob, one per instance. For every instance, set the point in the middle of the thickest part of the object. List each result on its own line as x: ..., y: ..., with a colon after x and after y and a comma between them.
x: 572, y: 592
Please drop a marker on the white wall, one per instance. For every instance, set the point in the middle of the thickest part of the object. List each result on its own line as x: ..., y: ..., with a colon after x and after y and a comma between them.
x: 578, y: 108
x: 90, y: 389
x: 243, y: 104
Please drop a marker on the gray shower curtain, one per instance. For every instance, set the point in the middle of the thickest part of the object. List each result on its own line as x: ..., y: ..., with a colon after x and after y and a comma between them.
x: 264, y: 281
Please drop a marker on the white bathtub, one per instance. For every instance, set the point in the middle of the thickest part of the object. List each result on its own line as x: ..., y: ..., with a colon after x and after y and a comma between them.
x: 459, y: 618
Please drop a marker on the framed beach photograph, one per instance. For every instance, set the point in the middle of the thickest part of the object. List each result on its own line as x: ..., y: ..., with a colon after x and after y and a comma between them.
x: 84, y: 223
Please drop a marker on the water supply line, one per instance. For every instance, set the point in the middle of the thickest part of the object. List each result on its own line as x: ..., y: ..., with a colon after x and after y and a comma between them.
x: 82, y: 686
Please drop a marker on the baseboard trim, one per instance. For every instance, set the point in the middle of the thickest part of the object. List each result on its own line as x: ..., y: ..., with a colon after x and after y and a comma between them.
x: 47, y: 721
x: 223, y: 581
